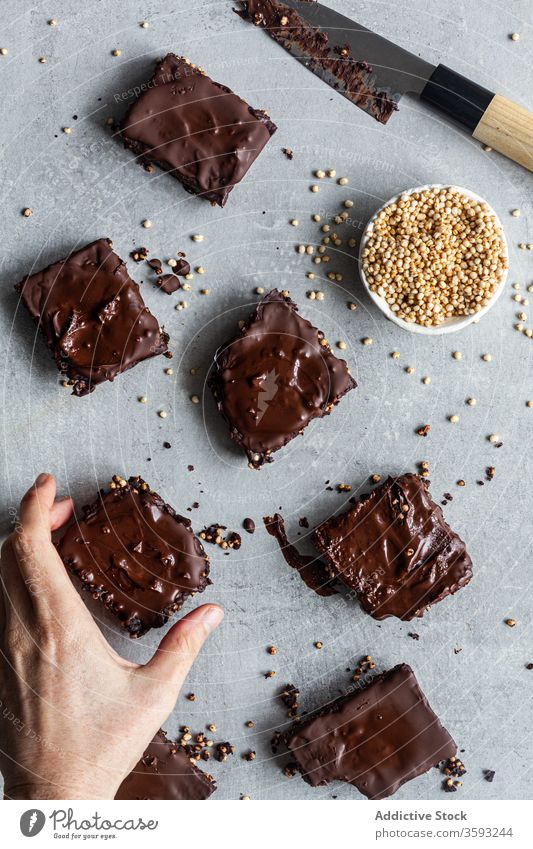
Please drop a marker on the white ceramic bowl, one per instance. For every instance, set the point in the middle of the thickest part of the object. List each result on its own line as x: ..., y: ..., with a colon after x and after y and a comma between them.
x: 449, y: 325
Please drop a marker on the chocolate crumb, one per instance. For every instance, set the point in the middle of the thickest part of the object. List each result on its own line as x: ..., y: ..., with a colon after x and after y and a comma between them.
x: 248, y: 525
x: 489, y: 775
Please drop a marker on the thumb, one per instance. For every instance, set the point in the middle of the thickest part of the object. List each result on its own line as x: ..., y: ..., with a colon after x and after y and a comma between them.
x: 180, y: 646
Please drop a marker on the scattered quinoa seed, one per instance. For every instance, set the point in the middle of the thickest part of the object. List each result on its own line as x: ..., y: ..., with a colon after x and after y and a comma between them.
x: 341, y: 345
x: 487, y: 358
x: 314, y: 188
x: 197, y: 237
x: 195, y: 399
x: 162, y: 414
x: 27, y: 212
x: 142, y: 399
x: 342, y: 181
x: 116, y: 52
x: 367, y: 340
x: 515, y: 36
x: 457, y: 355
x: 147, y: 223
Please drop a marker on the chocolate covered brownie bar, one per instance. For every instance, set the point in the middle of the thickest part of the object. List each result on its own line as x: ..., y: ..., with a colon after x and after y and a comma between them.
x: 197, y: 129
x: 92, y: 316
x: 376, y: 738
x: 275, y: 377
x: 166, y: 771
x: 135, y: 554
x: 395, y: 550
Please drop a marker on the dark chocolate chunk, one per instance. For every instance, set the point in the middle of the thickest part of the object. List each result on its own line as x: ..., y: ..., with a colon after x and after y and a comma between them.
x: 197, y: 129
x: 168, y: 283
x: 249, y: 525
x: 182, y: 268
x: 312, y: 570
x: 375, y: 738
x: 489, y: 775
x: 165, y: 771
x: 92, y: 316
x: 156, y: 265
x: 395, y: 550
x: 136, y: 554
x: 275, y: 377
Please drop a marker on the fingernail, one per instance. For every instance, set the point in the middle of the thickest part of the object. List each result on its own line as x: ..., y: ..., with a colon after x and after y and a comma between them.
x: 42, y: 478
x: 212, y: 615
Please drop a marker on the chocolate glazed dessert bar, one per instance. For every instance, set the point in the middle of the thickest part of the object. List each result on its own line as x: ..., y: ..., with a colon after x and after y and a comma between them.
x: 199, y: 130
x: 136, y: 555
x: 92, y: 316
x: 376, y: 738
x: 275, y: 377
x: 165, y: 771
x: 395, y: 550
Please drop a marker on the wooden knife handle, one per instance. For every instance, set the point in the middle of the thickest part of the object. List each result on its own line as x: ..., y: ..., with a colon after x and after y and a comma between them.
x: 508, y: 128
x: 490, y: 118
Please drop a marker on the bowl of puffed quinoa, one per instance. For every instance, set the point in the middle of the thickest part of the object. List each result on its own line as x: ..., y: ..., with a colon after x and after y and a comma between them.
x: 434, y: 258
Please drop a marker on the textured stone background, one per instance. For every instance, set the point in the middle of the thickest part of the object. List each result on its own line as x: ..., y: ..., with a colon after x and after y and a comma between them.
x: 85, y: 186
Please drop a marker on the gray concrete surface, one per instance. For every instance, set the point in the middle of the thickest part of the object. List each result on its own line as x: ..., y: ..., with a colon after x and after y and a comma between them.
x: 84, y: 186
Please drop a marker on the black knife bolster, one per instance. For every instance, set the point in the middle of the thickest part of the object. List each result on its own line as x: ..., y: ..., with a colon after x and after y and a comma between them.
x: 457, y: 96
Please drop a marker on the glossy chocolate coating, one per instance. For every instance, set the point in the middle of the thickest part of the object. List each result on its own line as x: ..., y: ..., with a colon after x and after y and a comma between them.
x: 137, y: 555
x: 396, y: 550
x: 165, y: 771
x: 92, y: 316
x: 275, y: 377
x: 312, y: 570
x: 376, y: 738
x: 197, y: 129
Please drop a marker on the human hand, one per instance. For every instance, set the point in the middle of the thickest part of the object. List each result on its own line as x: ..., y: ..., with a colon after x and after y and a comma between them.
x: 75, y: 717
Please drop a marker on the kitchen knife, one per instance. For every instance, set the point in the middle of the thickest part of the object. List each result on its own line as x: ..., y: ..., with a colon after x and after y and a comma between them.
x: 374, y: 73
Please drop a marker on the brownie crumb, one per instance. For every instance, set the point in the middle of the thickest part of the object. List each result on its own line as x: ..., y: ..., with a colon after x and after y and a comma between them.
x: 489, y: 775
x: 139, y: 255
x: 413, y: 635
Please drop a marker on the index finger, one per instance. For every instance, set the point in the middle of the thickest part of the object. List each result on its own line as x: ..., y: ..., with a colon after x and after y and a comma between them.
x: 37, y: 558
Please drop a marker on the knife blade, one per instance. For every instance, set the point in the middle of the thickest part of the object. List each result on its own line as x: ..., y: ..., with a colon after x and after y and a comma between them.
x: 374, y: 73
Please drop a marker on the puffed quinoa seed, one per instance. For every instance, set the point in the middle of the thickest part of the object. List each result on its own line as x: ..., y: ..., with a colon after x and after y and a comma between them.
x: 434, y: 254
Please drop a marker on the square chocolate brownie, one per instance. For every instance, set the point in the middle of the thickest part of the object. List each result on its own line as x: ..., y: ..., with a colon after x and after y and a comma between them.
x: 166, y: 771
x: 197, y: 129
x: 92, y: 316
x: 375, y: 738
x: 395, y: 550
x: 275, y: 377
x: 136, y: 555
